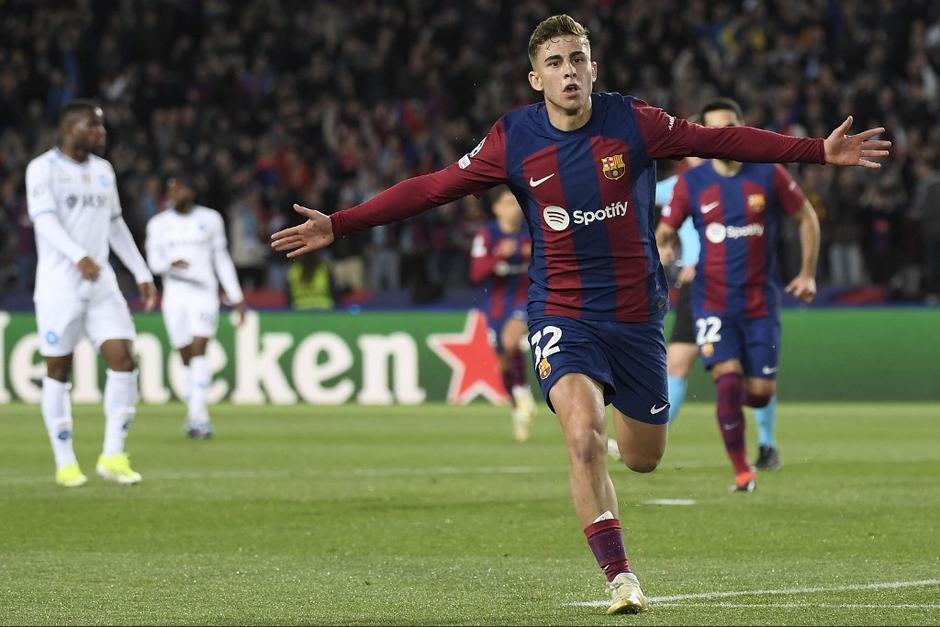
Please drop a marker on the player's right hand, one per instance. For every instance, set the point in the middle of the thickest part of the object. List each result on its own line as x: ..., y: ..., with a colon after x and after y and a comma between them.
x: 312, y: 235
x: 507, y: 248
x: 148, y: 293
x: 89, y: 269
x: 241, y: 308
x: 687, y: 274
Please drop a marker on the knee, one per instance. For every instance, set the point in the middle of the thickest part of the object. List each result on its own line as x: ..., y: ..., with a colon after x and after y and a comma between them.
x: 59, y: 372
x: 756, y: 400
x: 124, y: 363
x: 587, y: 446
x: 642, y: 461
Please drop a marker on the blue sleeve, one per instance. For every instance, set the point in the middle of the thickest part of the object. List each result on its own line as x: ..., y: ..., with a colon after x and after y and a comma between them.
x: 691, y: 245
x: 664, y: 189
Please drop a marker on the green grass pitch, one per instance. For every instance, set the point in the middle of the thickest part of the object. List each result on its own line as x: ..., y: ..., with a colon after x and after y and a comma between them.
x: 433, y: 515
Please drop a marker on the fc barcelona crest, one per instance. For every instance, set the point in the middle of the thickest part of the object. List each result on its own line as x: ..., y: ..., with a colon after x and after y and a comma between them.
x: 545, y: 368
x: 756, y: 202
x: 614, y: 167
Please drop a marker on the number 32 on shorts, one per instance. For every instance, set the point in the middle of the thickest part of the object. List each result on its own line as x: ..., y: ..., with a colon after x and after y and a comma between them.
x: 551, y: 334
x: 708, y: 330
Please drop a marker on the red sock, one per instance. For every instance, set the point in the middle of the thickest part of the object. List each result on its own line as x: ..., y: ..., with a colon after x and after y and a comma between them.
x: 731, y: 419
x: 606, y: 540
x: 517, y: 369
x: 508, y: 383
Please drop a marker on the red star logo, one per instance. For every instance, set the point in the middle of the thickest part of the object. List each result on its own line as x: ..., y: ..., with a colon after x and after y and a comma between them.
x: 474, y: 364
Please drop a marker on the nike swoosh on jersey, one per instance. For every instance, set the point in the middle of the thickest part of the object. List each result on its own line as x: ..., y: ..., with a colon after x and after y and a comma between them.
x: 536, y: 183
x: 709, y: 206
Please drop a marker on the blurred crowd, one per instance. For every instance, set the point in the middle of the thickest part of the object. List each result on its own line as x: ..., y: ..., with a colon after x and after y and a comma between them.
x: 273, y: 102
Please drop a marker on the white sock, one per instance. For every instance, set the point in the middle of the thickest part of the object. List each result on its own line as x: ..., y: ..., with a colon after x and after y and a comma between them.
x: 57, y: 414
x: 120, y: 400
x: 199, y: 380
x: 521, y: 393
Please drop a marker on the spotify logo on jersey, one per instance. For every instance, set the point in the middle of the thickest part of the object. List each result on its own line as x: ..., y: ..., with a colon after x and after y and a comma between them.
x: 556, y: 218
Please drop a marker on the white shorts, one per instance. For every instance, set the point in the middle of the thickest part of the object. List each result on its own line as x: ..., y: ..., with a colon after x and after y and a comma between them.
x: 103, y: 316
x: 188, y: 314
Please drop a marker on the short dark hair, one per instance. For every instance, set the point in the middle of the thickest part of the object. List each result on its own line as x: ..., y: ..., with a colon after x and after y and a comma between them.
x: 79, y: 105
x: 722, y: 104
x: 190, y: 180
x: 555, y: 26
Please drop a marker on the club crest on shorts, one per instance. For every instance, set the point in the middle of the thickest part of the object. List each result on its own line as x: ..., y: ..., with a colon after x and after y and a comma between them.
x: 708, y: 350
x: 545, y: 368
x: 614, y: 167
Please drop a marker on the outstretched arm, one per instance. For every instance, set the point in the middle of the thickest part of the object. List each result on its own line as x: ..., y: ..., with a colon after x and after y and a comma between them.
x: 669, y: 136
x: 477, y: 171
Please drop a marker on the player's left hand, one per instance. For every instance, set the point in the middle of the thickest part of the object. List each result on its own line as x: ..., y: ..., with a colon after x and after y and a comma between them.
x: 312, y: 235
x: 241, y: 309
x: 667, y: 254
x: 148, y: 292
x: 803, y: 287
x: 844, y: 149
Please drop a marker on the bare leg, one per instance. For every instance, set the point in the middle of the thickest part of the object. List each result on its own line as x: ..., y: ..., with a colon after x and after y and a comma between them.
x: 579, y: 403
x: 641, y: 444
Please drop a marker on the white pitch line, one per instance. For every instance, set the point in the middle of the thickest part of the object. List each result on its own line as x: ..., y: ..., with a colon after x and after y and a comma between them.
x: 828, y: 606
x: 335, y: 474
x: 669, y: 600
x: 670, y: 502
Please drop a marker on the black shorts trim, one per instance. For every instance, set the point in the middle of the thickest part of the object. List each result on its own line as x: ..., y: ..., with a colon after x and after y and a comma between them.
x: 683, y: 327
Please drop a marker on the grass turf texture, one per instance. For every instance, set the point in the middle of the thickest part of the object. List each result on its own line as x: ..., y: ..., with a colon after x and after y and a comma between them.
x: 433, y: 515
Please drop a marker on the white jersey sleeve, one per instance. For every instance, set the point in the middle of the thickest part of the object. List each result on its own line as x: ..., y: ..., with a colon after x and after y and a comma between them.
x: 157, y: 258
x: 39, y: 196
x: 46, y: 224
x: 116, y: 210
x: 222, y: 261
x: 122, y: 243
x: 43, y: 210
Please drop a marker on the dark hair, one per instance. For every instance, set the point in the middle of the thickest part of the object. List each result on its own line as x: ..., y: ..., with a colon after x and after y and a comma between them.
x: 79, y: 105
x: 190, y: 180
x: 722, y: 104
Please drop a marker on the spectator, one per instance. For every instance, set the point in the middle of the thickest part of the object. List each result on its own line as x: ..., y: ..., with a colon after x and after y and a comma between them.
x: 296, y: 98
x: 310, y: 285
x: 926, y: 210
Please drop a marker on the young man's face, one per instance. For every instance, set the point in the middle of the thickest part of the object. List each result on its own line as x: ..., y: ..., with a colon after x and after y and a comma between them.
x: 506, y: 208
x: 88, y: 133
x: 179, y: 193
x: 720, y: 118
x: 564, y: 72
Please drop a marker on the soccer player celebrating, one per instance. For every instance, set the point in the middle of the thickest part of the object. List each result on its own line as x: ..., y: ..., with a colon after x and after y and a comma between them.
x: 186, y: 245
x: 582, y: 166
x: 736, y: 208
x: 76, y: 212
x: 500, y: 255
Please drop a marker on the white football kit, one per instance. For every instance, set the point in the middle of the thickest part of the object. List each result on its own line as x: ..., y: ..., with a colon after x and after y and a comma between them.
x: 191, y: 294
x: 76, y: 213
